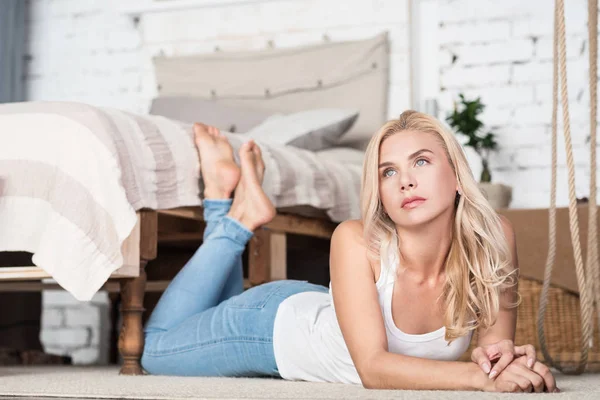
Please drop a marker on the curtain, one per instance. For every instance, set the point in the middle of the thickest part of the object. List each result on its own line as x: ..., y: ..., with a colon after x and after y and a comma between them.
x: 19, y: 322
x: 12, y: 50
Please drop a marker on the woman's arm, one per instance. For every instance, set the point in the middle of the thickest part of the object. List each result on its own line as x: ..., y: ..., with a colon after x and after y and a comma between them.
x: 397, y: 371
x: 361, y: 322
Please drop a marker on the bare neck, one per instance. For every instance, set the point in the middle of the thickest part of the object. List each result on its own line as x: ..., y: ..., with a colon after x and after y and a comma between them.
x: 423, y: 250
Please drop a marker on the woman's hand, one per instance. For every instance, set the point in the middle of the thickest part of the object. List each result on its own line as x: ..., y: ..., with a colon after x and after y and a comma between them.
x: 518, y: 377
x: 501, y: 354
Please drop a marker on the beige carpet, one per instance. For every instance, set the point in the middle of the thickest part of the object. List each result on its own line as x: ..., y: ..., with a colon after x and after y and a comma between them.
x: 104, y: 382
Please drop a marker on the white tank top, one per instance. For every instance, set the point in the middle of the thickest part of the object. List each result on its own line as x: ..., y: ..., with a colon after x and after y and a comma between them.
x: 309, y: 345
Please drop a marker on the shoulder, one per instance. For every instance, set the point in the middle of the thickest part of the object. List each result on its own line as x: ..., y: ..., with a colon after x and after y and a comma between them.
x: 348, y: 242
x: 350, y: 231
x: 349, y: 246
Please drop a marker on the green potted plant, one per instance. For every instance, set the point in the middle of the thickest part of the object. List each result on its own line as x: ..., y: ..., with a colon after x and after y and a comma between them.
x: 464, y: 119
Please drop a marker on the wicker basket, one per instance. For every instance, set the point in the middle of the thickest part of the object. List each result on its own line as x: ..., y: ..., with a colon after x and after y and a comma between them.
x: 562, y: 325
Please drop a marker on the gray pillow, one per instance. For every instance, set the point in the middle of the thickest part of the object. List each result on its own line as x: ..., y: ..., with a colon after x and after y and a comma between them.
x: 310, y: 130
x: 196, y: 109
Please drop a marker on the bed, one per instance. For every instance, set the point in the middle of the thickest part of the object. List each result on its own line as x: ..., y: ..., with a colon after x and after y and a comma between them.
x: 87, y: 199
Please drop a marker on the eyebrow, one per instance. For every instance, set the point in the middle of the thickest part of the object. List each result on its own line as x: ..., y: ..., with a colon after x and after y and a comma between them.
x: 410, y: 157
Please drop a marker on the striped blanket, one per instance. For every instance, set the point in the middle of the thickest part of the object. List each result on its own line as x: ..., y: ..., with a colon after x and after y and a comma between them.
x: 72, y: 177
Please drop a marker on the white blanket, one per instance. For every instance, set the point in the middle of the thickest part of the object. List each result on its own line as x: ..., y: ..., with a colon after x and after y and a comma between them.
x: 72, y: 177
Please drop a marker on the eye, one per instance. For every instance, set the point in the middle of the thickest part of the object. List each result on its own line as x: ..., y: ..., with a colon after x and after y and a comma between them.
x: 419, y: 160
x: 387, y: 173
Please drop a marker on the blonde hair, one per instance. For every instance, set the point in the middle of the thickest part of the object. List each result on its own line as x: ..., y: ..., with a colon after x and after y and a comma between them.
x: 479, y: 264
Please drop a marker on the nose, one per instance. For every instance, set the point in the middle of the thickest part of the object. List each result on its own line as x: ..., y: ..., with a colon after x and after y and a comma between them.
x: 407, y: 183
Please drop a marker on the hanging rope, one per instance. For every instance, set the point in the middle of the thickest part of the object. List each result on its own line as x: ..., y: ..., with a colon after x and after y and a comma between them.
x: 593, y: 270
x: 593, y: 260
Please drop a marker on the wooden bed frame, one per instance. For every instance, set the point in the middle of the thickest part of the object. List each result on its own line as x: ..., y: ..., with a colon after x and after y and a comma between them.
x: 266, y: 262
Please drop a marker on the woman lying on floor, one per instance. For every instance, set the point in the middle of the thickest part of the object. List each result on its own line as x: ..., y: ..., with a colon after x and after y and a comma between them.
x: 429, y: 263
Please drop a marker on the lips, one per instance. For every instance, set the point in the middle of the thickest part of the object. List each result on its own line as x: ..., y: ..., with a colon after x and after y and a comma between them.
x: 413, y: 201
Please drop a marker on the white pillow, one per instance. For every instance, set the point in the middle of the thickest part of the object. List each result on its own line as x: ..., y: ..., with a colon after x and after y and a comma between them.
x: 311, y: 130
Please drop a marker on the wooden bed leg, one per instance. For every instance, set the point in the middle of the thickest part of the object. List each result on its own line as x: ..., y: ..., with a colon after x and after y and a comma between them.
x: 267, y: 257
x: 278, y: 252
x: 259, y: 268
x: 131, y: 339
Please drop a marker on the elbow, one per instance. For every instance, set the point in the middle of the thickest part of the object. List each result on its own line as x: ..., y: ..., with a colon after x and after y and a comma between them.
x: 369, y: 376
x: 372, y: 380
x: 369, y: 384
x: 367, y: 380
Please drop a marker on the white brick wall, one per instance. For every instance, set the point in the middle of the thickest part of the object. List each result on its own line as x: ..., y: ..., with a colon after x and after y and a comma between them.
x: 80, y: 330
x: 502, y: 52
x: 98, y: 55
x: 89, y: 51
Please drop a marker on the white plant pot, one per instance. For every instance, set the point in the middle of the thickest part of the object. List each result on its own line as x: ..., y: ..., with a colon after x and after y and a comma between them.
x: 498, y: 195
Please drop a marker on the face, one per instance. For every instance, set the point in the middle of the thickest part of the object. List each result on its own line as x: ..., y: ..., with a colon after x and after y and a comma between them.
x: 414, y: 166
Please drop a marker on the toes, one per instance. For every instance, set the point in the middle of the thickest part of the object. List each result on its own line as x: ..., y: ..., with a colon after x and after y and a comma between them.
x: 199, y: 127
x: 246, y: 147
x: 202, y: 131
x: 207, y: 129
x: 258, y: 155
x: 243, y: 152
x: 214, y: 131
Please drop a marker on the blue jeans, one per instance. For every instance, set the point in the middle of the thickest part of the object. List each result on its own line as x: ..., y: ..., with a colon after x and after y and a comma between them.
x: 205, y: 324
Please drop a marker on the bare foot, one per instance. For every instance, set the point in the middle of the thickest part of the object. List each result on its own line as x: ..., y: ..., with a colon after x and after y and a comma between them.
x: 257, y: 163
x: 219, y: 171
x: 251, y: 206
